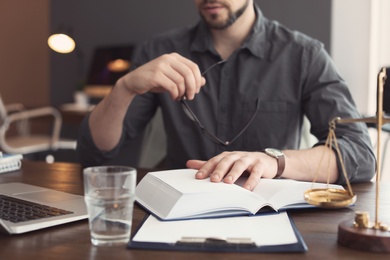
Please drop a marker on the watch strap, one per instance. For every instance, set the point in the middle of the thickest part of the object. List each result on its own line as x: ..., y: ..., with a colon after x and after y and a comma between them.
x: 281, y: 165
x: 280, y: 159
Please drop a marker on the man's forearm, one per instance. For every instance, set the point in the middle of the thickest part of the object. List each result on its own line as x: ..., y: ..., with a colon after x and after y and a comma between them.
x: 106, y: 120
x: 307, y: 165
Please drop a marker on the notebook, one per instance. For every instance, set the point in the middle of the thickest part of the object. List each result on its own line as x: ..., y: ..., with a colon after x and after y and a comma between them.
x: 20, y: 212
x: 10, y: 162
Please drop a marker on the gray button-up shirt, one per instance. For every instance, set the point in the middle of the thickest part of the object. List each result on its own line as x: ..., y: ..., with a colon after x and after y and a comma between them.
x: 278, y: 74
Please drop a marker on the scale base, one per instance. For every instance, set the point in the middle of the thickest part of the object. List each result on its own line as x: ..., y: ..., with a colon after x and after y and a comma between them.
x: 366, y: 239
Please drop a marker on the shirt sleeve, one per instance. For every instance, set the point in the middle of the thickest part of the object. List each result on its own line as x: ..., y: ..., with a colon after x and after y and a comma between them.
x: 88, y: 153
x: 139, y: 114
x: 326, y: 96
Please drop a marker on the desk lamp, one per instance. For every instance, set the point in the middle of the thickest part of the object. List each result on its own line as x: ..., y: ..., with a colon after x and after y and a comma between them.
x: 61, y: 43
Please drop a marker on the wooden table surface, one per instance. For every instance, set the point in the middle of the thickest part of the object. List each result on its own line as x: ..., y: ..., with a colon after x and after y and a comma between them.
x: 71, y: 241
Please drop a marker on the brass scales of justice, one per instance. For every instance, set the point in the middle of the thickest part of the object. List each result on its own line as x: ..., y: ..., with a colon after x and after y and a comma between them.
x: 359, y: 233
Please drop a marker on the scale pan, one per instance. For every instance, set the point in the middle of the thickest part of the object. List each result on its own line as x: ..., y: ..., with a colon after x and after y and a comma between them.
x: 329, y: 198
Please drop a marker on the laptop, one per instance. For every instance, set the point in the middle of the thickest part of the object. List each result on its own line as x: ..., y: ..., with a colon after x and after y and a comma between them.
x: 24, y: 208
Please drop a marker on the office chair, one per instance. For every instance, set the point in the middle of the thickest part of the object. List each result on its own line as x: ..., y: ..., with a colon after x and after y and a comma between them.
x: 17, y: 137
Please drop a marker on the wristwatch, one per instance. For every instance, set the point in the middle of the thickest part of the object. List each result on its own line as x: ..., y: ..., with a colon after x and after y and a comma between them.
x: 279, y: 156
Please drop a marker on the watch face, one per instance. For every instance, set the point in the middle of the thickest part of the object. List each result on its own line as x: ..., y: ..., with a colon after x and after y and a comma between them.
x: 273, y: 152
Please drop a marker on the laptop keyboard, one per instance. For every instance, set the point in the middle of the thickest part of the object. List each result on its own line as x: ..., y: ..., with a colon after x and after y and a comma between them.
x: 18, y: 210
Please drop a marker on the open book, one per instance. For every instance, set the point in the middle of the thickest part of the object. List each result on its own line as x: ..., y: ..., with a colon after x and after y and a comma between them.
x: 176, y: 194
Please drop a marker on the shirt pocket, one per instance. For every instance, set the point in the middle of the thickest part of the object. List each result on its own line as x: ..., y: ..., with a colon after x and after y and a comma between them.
x: 276, y: 124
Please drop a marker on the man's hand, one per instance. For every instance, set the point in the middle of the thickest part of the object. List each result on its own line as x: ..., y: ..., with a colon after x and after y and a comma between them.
x: 228, y: 166
x: 169, y: 72
x: 303, y: 165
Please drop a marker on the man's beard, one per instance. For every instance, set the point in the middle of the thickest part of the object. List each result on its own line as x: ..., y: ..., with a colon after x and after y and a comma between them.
x: 232, y: 17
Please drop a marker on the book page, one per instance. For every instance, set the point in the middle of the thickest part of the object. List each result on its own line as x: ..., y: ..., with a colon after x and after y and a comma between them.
x: 263, y: 230
x: 177, y: 194
x: 284, y: 192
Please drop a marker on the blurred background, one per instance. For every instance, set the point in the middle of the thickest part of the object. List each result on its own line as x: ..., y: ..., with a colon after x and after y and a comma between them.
x: 354, y: 33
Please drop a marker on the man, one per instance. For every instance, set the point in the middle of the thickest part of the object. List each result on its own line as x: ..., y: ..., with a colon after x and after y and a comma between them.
x: 230, y: 87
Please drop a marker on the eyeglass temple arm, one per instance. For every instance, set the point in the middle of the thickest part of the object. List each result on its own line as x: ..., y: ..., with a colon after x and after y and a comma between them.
x: 199, y: 124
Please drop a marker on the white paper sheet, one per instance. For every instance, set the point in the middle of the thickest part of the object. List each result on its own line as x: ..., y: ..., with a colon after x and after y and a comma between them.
x: 263, y: 230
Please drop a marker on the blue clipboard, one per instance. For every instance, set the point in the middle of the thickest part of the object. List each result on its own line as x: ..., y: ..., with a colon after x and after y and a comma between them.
x: 218, y: 245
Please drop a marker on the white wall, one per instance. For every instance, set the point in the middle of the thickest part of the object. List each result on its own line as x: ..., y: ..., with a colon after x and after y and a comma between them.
x: 360, y: 40
x: 359, y: 46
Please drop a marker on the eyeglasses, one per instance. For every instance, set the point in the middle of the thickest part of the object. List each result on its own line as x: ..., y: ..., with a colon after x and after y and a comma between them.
x: 191, y: 115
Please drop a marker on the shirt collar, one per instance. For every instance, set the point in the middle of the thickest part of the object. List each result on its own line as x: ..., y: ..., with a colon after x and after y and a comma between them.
x: 202, y: 39
x: 255, y: 43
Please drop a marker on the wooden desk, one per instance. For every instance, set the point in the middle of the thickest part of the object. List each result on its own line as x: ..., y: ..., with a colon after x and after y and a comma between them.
x: 71, y: 241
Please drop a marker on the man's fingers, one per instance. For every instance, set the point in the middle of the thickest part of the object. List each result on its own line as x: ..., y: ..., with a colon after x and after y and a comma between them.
x: 174, y: 73
x: 254, y: 178
x: 191, y: 75
x: 197, y: 164
x: 216, y: 167
x: 229, y: 166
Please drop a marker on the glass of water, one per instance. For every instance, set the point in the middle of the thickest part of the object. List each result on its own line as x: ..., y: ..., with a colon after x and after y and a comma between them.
x: 109, y: 195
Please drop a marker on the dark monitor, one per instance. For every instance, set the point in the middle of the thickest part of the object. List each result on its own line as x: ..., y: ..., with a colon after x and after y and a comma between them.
x: 109, y: 64
x: 386, y: 93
